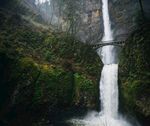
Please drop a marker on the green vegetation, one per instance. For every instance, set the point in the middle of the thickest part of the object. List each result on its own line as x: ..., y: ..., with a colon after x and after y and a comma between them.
x: 42, y: 71
x: 135, y: 74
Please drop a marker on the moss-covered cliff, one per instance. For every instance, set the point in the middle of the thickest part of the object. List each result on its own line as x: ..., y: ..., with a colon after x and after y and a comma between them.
x: 42, y: 71
x: 135, y: 74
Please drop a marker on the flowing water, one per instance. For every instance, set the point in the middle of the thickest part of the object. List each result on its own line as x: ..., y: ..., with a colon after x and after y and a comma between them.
x: 109, y: 115
x: 109, y: 75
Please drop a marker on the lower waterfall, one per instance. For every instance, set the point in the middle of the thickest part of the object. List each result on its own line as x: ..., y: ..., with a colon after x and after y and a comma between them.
x: 109, y: 90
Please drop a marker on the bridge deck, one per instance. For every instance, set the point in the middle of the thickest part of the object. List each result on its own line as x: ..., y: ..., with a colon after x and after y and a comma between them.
x: 106, y: 43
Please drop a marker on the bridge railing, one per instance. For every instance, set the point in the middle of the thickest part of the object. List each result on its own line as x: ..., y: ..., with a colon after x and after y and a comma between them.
x: 107, y: 43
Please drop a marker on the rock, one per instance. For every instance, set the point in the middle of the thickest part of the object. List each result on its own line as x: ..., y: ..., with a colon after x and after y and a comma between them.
x: 135, y: 75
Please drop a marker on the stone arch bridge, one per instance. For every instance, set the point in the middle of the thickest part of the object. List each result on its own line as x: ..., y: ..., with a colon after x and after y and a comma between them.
x: 107, y: 43
x: 119, y: 41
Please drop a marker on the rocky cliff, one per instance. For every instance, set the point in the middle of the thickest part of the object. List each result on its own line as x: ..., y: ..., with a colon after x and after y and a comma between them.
x: 42, y: 72
x: 41, y: 68
x: 84, y: 18
x: 135, y: 75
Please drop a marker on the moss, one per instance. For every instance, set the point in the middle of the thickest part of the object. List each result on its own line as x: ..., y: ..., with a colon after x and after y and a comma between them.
x: 54, y: 86
x: 85, y: 91
x: 136, y: 90
x: 42, y: 71
x: 134, y: 73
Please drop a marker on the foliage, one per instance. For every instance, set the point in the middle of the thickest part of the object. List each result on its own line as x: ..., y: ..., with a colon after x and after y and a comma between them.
x: 43, y: 69
x: 134, y: 73
x: 85, y: 90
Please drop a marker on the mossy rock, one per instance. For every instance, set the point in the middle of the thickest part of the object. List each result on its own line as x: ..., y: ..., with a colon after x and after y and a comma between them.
x: 86, y: 91
x: 134, y: 74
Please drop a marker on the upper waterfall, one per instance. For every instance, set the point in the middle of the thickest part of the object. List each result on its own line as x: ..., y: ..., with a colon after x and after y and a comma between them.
x: 107, y: 26
x: 107, y: 53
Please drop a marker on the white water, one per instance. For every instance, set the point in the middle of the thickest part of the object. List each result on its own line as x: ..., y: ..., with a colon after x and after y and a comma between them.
x: 41, y: 1
x: 109, y: 115
x: 109, y: 75
x: 109, y: 90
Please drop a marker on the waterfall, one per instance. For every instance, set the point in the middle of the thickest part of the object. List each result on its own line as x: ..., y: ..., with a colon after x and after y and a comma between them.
x: 109, y: 90
x: 109, y: 75
x: 108, y: 116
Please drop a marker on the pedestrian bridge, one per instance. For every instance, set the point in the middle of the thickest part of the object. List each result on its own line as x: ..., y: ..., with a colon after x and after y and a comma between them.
x: 107, y: 43
x: 119, y: 41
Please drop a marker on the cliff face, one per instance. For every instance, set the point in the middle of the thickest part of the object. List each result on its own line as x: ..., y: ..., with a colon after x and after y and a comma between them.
x: 84, y: 18
x: 42, y: 71
x: 124, y: 16
x: 135, y: 75
x: 40, y: 68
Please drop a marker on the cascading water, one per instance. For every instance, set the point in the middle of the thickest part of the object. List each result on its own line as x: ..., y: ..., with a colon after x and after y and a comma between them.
x: 109, y: 76
x: 109, y: 90
x: 109, y: 115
